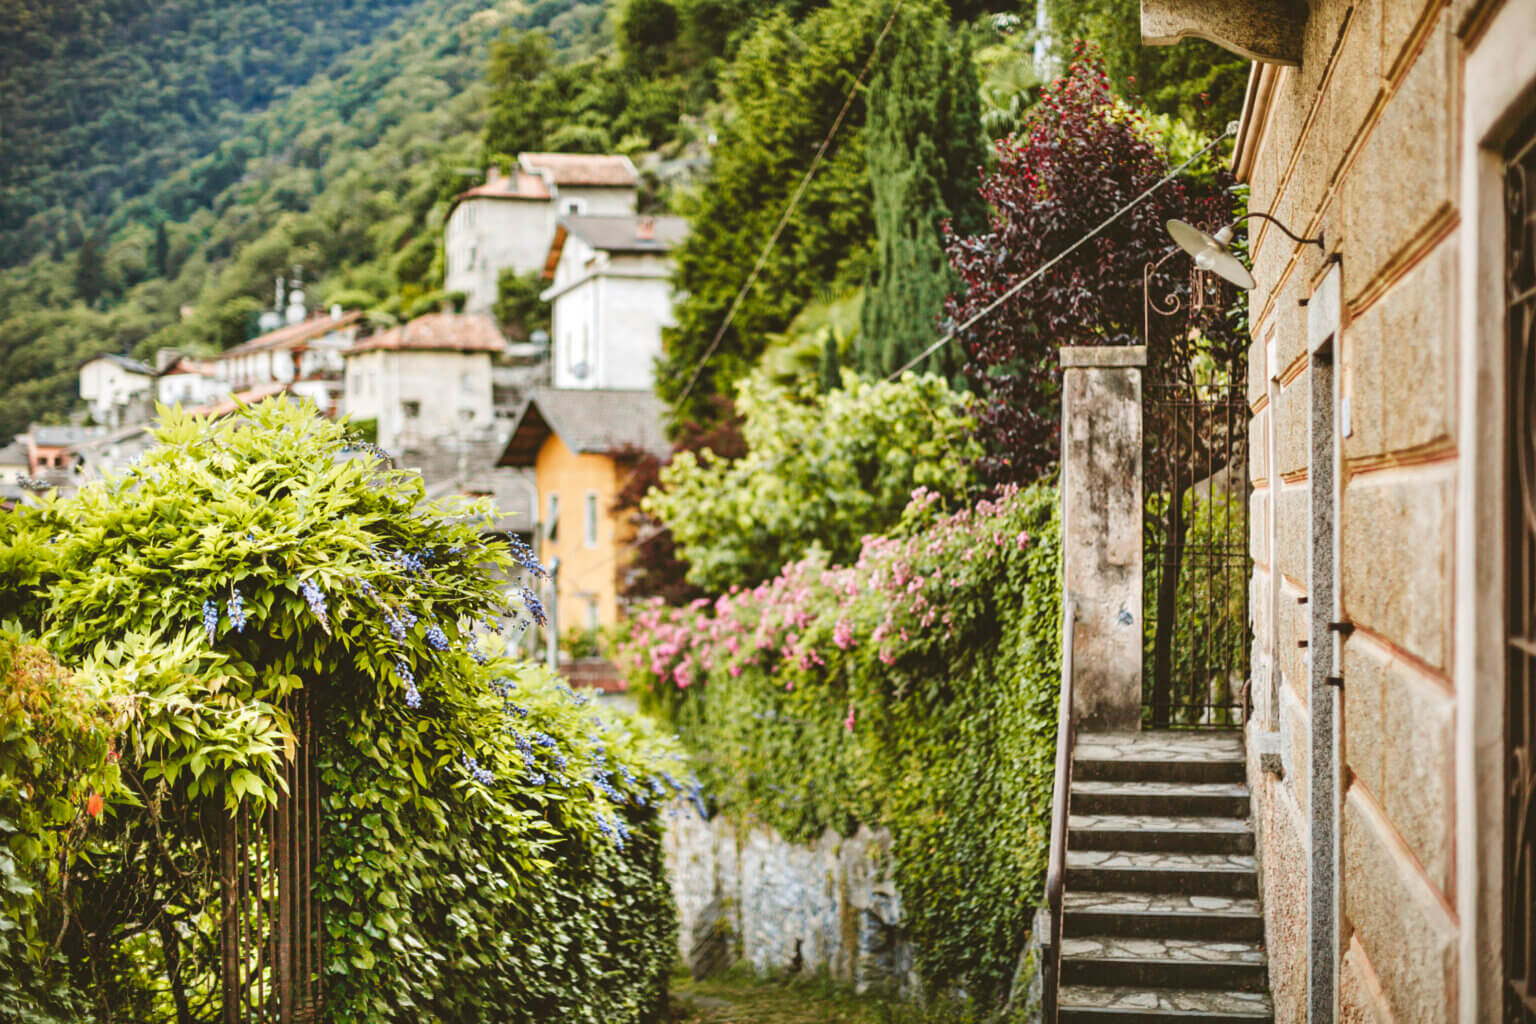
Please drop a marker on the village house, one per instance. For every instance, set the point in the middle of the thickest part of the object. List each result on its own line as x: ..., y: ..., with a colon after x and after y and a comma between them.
x: 425, y: 380
x: 111, y: 385
x: 610, y: 293
x: 580, y: 445
x: 506, y: 222
x: 304, y: 356
x: 1392, y: 744
x: 185, y: 381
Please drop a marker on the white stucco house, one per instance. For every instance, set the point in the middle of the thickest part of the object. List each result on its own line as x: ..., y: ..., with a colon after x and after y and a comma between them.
x: 306, y: 356
x: 610, y: 291
x: 188, y: 382
x: 425, y: 380
x: 507, y: 222
x: 110, y: 384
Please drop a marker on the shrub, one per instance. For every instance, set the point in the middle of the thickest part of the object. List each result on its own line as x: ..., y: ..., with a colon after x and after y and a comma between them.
x: 490, y: 843
x: 915, y: 689
x: 821, y: 471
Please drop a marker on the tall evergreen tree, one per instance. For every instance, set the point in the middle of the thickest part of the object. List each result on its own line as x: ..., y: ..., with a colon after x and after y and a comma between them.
x: 162, y: 251
x: 925, y: 150
x: 90, y: 269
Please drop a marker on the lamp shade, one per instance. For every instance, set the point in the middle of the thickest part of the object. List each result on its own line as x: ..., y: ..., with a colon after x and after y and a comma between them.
x: 1210, y: 252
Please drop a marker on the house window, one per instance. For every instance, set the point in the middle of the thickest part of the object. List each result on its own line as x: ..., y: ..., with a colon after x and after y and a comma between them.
x: 592, y: 613
x: 552, y: 517
x: 411, y: 409
x: 576, y: 206
x: 589, y: 533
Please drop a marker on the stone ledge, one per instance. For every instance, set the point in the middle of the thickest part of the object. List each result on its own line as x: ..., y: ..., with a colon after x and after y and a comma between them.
x: 1269, y: 31
x: 1103, y: 355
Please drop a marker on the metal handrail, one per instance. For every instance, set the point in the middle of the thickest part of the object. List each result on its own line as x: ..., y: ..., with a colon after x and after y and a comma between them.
x: 1055, y: 872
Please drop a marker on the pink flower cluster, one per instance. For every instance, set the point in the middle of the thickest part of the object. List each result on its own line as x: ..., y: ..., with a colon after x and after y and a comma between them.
x: 811, y: 621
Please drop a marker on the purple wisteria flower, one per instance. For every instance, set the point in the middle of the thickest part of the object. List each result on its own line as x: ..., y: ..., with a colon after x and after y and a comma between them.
x: 412, y: 695
x: 436, y: 638
x: 236, y: 608
x: 481, y: 775
x: 210, y: 619
x: 315, y: 599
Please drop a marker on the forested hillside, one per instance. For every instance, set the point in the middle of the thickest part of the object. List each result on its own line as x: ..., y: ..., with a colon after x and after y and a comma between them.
x: 340, y: 173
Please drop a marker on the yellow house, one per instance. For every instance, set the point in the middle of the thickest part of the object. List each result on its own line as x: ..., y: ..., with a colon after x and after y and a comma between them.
x: 580, y: 445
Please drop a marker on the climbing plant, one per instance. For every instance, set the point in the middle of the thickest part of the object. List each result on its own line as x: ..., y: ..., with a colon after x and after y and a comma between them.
x: 490, y: 842
x: 913, y: 687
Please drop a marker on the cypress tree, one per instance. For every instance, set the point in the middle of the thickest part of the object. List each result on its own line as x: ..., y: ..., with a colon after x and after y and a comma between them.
x: 924, y: 147
x: 162, y: 251
x: 831, y: 368
x: 90, y: 270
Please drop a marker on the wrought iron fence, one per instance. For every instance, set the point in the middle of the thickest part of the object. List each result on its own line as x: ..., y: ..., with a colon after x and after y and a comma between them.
x: 271, y: 932
x: 1195, y: 594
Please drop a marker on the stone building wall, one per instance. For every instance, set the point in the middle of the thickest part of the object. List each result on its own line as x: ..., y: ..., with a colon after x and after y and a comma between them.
x: 751, y: 895
x: 1364, y: 143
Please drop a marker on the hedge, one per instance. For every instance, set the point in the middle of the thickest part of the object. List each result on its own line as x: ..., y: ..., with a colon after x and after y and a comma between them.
x: 914, y: 689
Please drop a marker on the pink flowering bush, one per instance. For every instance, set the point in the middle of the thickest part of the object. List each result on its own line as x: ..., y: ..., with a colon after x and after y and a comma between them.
x: 913, y: 688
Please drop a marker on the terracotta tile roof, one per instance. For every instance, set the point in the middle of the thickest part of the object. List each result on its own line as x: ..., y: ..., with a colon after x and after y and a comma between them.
x: 294, y: 334
x: 185, y: 365
x: 577, y: 169
x: 596, y: 420
x: 520, y: 184
x: 438, y: 332
x: 250, y: 396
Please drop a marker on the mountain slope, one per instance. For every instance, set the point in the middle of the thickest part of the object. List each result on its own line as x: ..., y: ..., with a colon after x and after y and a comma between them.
x: 343, y: 176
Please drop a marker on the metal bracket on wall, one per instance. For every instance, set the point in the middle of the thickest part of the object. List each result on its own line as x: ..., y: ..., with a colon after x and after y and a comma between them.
x: 1341, y: 628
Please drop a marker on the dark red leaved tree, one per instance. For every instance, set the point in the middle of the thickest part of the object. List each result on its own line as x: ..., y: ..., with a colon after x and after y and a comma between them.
x: 1080, y: 157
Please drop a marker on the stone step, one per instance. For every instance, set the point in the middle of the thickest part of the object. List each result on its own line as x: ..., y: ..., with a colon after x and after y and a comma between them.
x: 1093, y: 1004
x: 1167, y: 799
x: 1161, y: 915
x: 1194, y: 874
x: 1183, y: 756
x: 1162, y: 963
x: 1185, y: 834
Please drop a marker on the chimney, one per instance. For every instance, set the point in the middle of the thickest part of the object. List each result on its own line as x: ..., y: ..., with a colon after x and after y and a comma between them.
x: 645, y: 229
x: 492, y: 174
x: 165, y: 358
x: 335, y: 311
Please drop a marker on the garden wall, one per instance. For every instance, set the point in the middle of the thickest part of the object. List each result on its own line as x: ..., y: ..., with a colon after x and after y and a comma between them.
x: 749, y: 894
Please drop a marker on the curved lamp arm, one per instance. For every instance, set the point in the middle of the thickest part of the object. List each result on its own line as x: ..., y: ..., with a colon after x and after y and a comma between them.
x: 1318, y: 241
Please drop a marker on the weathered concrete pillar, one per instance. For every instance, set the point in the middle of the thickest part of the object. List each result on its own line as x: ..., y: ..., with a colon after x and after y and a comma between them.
x: 1101, y: 512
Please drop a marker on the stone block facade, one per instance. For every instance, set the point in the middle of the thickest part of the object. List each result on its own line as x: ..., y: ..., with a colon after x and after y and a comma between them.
x: 1377, y: 595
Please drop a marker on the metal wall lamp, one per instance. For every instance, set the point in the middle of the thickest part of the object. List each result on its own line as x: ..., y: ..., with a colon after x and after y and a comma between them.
x: 1211, y: 252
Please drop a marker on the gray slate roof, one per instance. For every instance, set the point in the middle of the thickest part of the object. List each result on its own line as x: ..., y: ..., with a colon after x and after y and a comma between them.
x: 596, y: 420
x: 126, y: 362
x: 622, y: 233
x: 60, y: 437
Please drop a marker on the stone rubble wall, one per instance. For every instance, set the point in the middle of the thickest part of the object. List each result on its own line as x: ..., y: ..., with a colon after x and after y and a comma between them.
x: 751, y: 895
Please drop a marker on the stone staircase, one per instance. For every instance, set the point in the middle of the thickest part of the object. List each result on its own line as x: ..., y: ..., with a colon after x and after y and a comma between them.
x: 1160, y: 915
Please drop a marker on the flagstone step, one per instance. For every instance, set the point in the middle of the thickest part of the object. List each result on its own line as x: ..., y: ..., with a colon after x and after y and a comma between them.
x: 1195, y: 874
x: 1182, y: 833
x: 1162, y: 962
x: 1159, y: 757
x: 1163, y: 915
x: 1094, y: 1004
x: 1223, y: 799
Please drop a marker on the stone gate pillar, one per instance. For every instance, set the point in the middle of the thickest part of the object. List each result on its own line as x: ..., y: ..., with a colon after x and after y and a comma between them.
x: 1101, y: 524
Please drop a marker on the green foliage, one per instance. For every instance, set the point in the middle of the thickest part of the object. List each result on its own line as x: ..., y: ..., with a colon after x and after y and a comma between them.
x: 785, y: 87
x: 1197, y: 81
x: 923, y: 103
x: 518, y: 307
x: 490, y: 846
x: 821, y: 471
x: 914, y: 689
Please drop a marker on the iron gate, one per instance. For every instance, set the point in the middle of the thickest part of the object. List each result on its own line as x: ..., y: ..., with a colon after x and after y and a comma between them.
x: 1195, y: 526
x: 1520, y: 671
x: 271, y: 966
